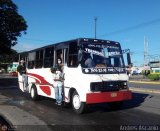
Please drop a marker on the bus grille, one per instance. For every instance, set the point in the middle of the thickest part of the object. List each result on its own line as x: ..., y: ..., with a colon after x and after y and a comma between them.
x: 108, y: 86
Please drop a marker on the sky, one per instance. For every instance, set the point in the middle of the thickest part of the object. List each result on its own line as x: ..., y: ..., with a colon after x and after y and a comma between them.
x: 124, y: 21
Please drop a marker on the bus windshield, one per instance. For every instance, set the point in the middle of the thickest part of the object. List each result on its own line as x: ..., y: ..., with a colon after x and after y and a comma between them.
x: 102, y: 58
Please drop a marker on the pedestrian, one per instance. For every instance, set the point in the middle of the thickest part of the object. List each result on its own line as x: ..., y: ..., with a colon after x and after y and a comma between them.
x: 22, y: 71
x: 57, y: 76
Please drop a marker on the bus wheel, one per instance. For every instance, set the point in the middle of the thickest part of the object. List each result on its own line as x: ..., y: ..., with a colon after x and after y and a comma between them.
x: 78, y: 106
x: 34, y: 94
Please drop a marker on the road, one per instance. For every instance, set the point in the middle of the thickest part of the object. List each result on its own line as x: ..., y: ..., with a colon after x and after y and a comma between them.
x: 142, y: 112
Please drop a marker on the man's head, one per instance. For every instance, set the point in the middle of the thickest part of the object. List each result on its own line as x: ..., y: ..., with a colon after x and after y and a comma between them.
x: 21, y: 62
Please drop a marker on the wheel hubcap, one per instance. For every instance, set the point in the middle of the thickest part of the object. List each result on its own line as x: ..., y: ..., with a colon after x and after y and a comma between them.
x: 32, y: 92
x: 76, y: 102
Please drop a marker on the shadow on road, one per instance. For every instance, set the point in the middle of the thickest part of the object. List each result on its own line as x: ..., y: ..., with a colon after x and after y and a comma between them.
x: 8, y: 81
x: 137, y: 100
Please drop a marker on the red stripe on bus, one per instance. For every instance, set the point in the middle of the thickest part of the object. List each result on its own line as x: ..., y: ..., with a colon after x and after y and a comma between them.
x: 46, y: 89
x: 42, y: 79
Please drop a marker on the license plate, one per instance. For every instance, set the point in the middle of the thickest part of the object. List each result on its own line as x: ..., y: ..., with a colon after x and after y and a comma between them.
x: 113, y: 94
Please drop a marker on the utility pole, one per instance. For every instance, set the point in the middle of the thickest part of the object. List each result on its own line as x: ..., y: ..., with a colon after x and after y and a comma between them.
x: 95, y: 26
x: 145, y: 50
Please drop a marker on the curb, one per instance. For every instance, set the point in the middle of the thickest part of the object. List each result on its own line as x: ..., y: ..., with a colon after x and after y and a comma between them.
x: 144, y: 90
x: 145, y: 82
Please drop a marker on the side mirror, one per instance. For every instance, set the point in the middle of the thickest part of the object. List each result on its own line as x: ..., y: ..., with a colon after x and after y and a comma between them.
x: 129, y: 59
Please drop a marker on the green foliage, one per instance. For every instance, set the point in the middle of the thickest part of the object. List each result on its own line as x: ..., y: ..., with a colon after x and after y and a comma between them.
x: 153, y: 76
x: 146, y: 72
x: 9, y: 58
x: 11, y: 25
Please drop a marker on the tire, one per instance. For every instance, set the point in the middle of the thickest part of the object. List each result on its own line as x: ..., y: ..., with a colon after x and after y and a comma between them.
x: 78, y: 106
x: 116, y: 105
x: 33, y: 93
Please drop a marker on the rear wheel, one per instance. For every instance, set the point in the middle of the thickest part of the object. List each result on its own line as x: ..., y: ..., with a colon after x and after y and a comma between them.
x: 33, y: 92
x: 78, y: 106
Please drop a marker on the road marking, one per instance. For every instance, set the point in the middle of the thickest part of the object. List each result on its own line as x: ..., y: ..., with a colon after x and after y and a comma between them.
x: 144, y: 90
x: 145, y: 82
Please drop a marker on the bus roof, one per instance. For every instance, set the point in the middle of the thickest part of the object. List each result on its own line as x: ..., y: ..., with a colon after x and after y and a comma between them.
x: 78, y: 39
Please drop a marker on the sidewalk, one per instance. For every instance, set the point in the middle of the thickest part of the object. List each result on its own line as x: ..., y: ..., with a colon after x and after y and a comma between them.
x: 17, y: 119
x: 141, y: 84
x: 7, y: 75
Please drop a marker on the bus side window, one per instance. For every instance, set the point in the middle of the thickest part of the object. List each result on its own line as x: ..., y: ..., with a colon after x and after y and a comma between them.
x: 31, y: 60
x: 73, y: 55
x: 73, y: 61
x: 39, y: 59
x: 48, y: 57
x: 60, y: 56
x: 30, y: 64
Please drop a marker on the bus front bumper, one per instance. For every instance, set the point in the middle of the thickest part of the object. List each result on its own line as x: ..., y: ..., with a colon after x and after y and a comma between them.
x: 101, y: 97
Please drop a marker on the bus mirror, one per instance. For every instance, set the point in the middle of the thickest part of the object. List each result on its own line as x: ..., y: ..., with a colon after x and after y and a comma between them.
x: 80, y: 55
x: 129, y: 59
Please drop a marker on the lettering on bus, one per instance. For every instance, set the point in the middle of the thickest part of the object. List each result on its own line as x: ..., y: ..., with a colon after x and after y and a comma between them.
x: 103, y: 70
x: 95, y: 52
x: 103, y: 46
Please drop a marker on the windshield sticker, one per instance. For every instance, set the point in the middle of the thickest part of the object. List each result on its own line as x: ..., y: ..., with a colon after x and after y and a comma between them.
x: 94, y: 52
x: 103, y: 54
x: 113, y: 53
x: 103, y: 46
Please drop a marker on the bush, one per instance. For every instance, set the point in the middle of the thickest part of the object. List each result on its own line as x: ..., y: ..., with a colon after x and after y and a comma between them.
x: 153, y: 77
x: 146, y: 72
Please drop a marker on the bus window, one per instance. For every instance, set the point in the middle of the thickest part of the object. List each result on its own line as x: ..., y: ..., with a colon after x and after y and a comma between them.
x: 39, y: 59
x: 48, y: 57
x: 30, y: 64
x: 73, y: 55
x: 73, y: 62
x: 66, y: 56
x: 31, y: 60
x: 60, y: 57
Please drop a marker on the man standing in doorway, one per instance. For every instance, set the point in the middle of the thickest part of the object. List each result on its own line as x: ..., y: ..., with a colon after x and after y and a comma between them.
x: 22, y: 71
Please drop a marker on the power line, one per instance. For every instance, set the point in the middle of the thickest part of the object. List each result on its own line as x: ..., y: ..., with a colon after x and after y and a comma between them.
x: 132, y: 27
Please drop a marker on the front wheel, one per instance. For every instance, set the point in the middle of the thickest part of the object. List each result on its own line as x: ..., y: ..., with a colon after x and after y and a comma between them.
x: 34, y: 94
x: 78, y: 106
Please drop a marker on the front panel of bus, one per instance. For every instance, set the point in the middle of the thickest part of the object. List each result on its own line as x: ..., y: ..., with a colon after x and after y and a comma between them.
x: 103, y: 71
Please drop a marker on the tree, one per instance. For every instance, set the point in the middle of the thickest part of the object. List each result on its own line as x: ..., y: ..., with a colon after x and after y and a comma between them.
x: 11, y: 26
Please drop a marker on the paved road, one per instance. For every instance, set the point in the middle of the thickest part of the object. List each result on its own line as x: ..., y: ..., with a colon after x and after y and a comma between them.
x: 26, y: 114
x: 144, y: 85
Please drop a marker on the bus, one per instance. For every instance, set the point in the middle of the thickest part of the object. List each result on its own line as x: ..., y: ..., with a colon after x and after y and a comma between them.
x: 103, y: 82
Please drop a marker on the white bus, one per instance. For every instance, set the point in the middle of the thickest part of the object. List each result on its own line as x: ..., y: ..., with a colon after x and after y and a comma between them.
x: 104, y: 81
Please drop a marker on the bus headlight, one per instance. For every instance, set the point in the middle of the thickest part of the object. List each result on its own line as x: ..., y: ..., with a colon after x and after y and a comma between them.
x: 125, y: 86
